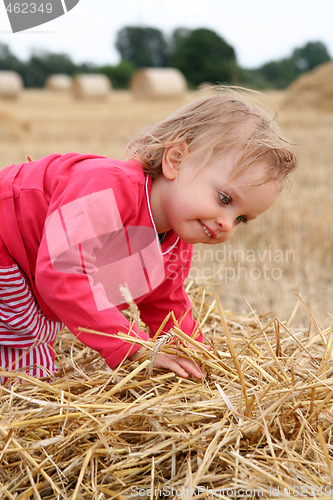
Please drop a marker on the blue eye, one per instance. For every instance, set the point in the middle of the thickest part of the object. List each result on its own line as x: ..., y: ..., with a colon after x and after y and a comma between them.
x: 240, y: 219
x: 224, y: 199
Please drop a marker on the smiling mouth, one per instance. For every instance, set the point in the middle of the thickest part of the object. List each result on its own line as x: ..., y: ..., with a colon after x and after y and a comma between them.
x: 206, y: 230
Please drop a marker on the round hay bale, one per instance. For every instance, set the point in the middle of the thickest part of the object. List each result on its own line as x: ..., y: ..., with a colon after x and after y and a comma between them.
x: 59, y: 83
x: 11, y: 84
x: 91, y: 86
x: 152, y: 83
x: 313, y: 89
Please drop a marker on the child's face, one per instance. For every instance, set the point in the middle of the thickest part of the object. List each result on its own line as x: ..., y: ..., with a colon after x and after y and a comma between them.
x: 202, y: 204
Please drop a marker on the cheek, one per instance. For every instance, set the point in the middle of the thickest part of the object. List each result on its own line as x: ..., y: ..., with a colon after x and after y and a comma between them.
x: 225, y: 236
x: 272, y: 192
x: 231, y: 233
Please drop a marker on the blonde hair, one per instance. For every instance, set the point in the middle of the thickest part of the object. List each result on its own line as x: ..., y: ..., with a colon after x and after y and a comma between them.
x: 223, y: 120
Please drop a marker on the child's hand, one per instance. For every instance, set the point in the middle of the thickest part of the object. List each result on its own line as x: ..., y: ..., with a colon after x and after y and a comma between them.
x: 178, y: 364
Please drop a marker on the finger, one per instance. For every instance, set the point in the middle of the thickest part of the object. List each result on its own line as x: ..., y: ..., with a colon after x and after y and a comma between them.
x: 175, y: 367
x: 170, y: 363
x: 190, y: 367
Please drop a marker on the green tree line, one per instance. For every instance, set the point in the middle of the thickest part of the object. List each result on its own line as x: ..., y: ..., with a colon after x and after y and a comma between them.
x: 201, y: 54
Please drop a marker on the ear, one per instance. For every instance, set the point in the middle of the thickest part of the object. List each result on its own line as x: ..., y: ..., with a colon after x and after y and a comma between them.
x: 173, y: 157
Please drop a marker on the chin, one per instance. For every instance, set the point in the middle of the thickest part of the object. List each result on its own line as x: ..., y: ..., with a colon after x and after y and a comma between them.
x: 212, y: 242
x: 198, y: 242
x: 188, y: 239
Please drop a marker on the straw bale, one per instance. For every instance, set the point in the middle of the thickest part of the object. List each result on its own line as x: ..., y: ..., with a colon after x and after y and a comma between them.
x: 258, y: 426
x: 11, y: 84
x: 158, y: 83
x: 59, y: 82
x: 313, y: 90
x: 91, y: 86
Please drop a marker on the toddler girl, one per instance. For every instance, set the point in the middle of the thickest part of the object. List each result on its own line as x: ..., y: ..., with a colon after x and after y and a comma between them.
x: 77, y: 230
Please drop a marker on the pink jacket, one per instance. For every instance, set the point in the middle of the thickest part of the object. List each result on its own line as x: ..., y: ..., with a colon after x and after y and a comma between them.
x: 81, y: 229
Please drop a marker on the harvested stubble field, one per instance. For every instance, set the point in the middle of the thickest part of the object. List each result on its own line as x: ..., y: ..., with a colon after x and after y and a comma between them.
x: 260, y: 424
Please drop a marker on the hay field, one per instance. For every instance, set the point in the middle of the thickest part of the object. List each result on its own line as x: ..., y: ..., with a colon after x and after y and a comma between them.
x: 288, y: 250
x: 260, y: 424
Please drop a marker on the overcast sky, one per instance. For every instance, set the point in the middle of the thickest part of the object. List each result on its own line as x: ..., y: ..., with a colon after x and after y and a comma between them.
x: 259, y: 30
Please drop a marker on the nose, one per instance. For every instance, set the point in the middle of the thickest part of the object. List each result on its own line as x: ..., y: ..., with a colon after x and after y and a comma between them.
x: 225, y: 225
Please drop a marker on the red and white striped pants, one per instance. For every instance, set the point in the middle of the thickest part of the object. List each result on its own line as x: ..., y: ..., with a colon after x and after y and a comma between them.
x: 26, y: 334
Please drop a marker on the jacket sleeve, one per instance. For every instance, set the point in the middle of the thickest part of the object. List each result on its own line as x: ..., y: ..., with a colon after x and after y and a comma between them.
x: 73, y: 267
x: 70, y: 297
x: 171, y: 296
